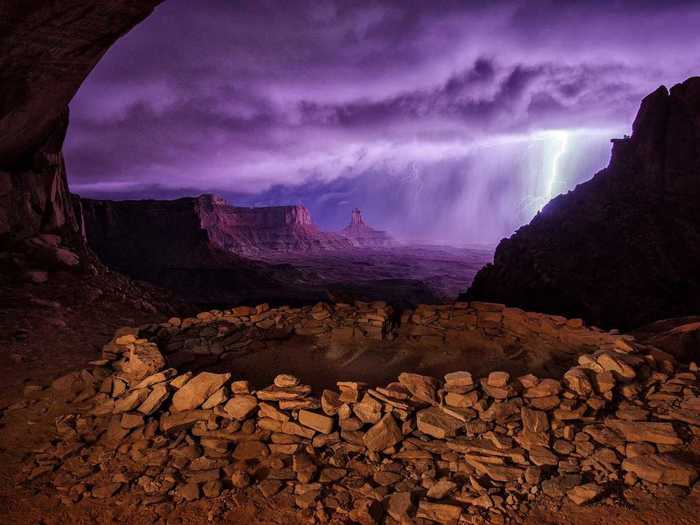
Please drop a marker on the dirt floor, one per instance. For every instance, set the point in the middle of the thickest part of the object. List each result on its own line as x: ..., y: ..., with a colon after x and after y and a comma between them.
x: 378, y: 363
x: 49, y: 329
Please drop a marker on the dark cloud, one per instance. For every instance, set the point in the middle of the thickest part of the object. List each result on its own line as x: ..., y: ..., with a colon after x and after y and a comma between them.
x: 240, y: 97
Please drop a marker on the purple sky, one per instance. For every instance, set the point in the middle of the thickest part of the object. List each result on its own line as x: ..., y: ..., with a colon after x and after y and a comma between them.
x: 444, y: 120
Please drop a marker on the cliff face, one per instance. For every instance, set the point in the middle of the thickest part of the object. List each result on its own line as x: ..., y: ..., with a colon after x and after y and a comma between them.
x: 184, y: 228
x: 35, y: 198
x: 181, y: 245
x: 255, y: 231
x: 148, y: 238
x: 364, y: 236
x: 622, y: 249
x: 163, y: 233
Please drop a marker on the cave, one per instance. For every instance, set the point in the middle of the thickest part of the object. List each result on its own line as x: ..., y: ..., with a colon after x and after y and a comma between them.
x: 561, y: 386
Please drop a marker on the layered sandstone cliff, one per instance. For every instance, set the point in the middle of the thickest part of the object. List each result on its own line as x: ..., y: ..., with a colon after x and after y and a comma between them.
x: 364, y: 236
x: 255, y: 231
x: 123, y: 229
x: 622, y: 249
x: 175, y: 244
x: 200, y: 246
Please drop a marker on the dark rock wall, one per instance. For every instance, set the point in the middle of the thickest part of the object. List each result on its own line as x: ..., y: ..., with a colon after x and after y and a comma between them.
x: 34, y: 198
x: 47, y: 48
x: 128, y: 235
x: 622, y: 249
x: 187, y: 230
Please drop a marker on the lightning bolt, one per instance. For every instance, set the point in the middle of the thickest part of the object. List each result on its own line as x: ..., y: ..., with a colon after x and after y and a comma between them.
x: 563, y: 137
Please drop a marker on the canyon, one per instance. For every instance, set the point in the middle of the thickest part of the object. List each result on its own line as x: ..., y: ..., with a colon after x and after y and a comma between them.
x: 212, y: 253
x: 249, y: 232
x: 275, y: 372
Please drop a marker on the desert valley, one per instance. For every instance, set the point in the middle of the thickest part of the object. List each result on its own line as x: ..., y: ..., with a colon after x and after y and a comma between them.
x: 212, y: 253
x: 347, y: 262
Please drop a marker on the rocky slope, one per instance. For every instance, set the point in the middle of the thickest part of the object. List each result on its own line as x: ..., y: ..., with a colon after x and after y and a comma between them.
x: 622, y: 249
x: 444, y: 450
x: 364, y: 236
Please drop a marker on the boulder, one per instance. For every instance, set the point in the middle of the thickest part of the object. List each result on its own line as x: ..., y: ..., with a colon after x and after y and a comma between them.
x: 441, y: 489
x: 576, y: 380
x: 246, y: 450
x: 585, y: 493
x: 316, y: 421
x: 369, y: 410
x: 498, y: 379
x: 436, y: 423
x: 142, y: 361
x: 400, y: 507
x: 384, y: 434
x: 544, y: 388
x: 241, y: 407
x: 659, y: 433
x: 457, y: 381
x: 197, y: 390
x: 130, y: 401
x: 422, y: 387
x: 286, y: 381
x: 159, y: 393
x: 616, y: 365
x: 438, y: 512
x: 182, y: 420
x: 330, y: 402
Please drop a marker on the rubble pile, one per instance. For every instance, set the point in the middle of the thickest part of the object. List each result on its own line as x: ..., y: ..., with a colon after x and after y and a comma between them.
x: 448, y: 323
x: 445, y: 450
x: 222, y: 333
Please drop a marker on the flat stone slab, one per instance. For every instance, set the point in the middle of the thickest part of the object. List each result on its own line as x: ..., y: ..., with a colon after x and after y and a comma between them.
x: 434, y: 422
x: 661, y: 468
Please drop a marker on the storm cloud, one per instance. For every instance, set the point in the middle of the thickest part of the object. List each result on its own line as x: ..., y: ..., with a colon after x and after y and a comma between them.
x: 399, y: 107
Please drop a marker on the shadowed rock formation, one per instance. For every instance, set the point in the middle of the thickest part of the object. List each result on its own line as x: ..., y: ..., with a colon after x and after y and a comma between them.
x: 184, y: 245
x: 364, y: 236
x: 46, y: 50
x: 622, y: 249
x: 120, y: 231
x: 34, y: 197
